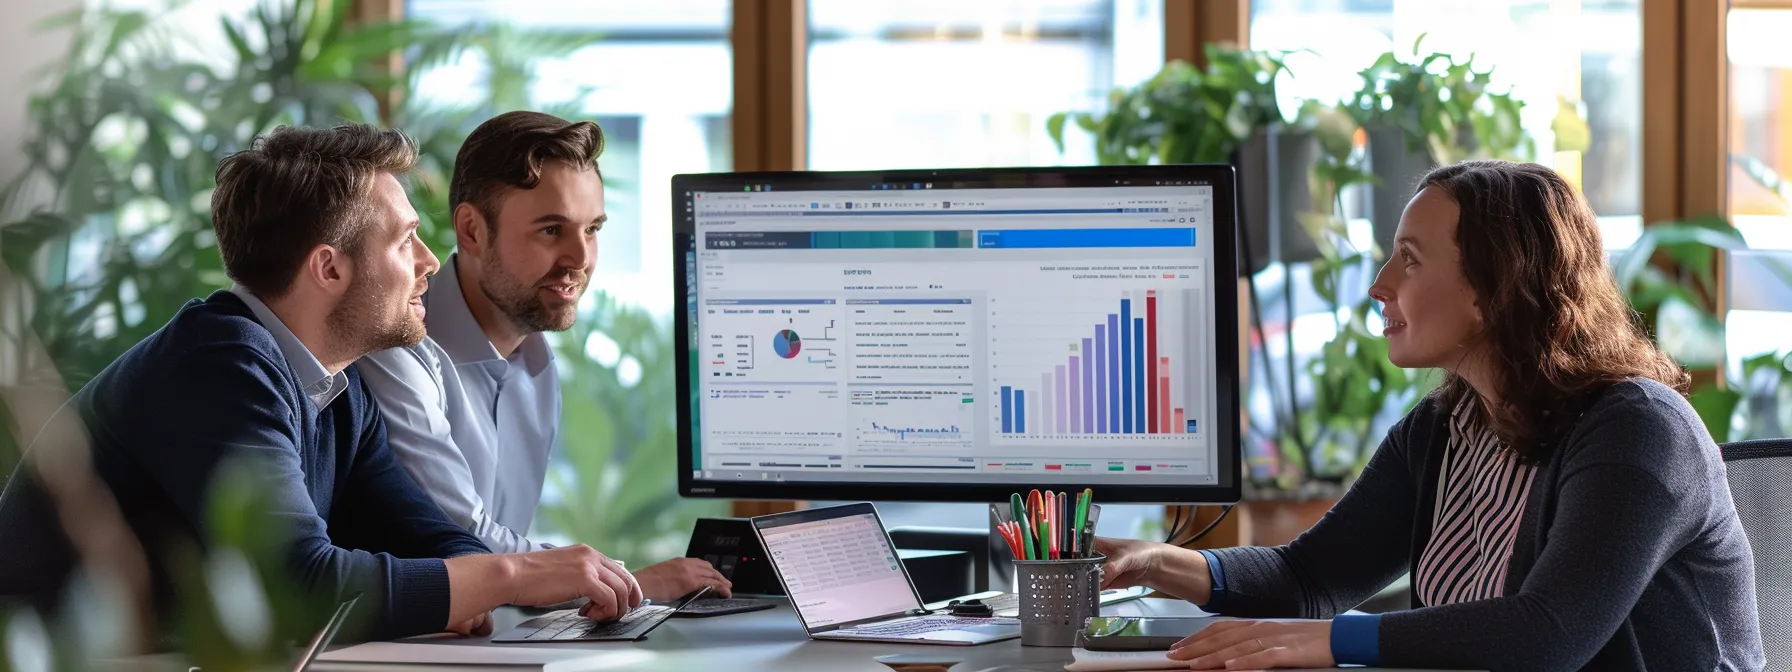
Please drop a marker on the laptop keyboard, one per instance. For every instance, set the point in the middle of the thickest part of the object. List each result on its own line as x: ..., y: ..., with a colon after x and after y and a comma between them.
x: 916, y: 626
x: 569, y: 625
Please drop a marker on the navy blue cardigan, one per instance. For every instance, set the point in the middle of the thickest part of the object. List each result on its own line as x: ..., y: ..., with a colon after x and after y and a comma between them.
x: 213, y: 384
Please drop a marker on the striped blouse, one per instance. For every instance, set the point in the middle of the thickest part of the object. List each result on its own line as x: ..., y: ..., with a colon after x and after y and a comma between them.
x: 1479, y: 503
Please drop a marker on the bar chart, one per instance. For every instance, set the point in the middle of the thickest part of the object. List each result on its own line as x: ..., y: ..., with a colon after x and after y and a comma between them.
x: 1115, y: 374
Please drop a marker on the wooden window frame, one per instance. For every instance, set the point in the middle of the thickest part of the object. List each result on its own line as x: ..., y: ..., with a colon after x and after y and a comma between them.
x: 1685, y: 94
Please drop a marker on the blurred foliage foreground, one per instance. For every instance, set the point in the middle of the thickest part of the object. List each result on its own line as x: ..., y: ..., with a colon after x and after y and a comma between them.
x: 106, y: 232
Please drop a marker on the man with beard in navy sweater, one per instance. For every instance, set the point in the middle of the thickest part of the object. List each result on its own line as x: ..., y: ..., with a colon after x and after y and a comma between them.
x: 315, y: 230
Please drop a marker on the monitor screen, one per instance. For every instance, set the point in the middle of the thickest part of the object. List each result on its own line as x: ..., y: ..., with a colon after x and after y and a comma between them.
x: 837, y: 564
x: 958, y: 335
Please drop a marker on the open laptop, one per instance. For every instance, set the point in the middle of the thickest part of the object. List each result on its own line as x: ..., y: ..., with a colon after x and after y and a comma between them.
x: 844, y: 580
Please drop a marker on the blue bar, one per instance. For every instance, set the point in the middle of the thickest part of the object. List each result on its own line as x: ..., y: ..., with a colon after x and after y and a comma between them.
x: 1020, y: 411
x: 1007, y: 409
x: 1113, y: 373
x: 1053, y: 238
x: 1138, y: 378
x: 1126, y: 359
x: 1100, y: 355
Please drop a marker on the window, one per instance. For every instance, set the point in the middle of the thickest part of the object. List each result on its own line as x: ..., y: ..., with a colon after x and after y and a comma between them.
x: 659, y: 81
x: 658, y: 77
x: 1565, y: 61
x: 1760, y: 129
x: 938, y: 83
x: 944, y: 84
x: 1584, y: 55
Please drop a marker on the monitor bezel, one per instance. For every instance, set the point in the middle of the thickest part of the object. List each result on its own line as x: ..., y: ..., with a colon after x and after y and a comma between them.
x: 1228, y: 428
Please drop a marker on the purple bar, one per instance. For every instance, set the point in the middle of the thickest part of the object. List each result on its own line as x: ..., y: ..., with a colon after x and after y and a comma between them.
x: 1059, y: 399
x: 1101, y: 378
x: 1076, y: 396
x: 1088, y: 398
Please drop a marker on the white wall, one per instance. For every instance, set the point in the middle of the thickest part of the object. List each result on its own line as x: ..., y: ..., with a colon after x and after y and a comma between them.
x: 23, y: 50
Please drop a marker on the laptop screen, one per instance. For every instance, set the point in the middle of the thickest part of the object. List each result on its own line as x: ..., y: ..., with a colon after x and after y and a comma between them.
x: 838, y: 569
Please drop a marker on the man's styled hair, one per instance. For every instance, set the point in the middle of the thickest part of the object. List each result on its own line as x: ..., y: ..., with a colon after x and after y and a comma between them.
x: 297, y: 188
x: 508, y: 152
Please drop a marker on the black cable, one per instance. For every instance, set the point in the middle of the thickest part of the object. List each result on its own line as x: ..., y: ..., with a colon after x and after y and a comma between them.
x: 1176, y: 526
x: 1216, y: 523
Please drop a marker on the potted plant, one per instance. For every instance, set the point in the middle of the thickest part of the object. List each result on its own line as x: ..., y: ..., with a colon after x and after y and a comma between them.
x: 1432, y: 110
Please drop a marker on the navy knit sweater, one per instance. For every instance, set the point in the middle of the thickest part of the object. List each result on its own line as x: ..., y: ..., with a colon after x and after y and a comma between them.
x: 213, y: 384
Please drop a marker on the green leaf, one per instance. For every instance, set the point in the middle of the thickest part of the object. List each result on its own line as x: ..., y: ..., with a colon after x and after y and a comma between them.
x: 1716, y: 407
x: 1054, y: 126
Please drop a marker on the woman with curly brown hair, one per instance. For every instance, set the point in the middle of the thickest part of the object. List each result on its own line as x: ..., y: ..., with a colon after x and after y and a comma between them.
x: 1557, y: 501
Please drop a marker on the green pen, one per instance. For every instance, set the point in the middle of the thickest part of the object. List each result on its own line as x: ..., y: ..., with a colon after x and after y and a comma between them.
x: 1082, y: 516
x: 1016, y: 509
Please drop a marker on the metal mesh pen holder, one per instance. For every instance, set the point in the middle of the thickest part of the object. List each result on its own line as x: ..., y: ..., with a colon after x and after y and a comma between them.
x: 1056, y: 598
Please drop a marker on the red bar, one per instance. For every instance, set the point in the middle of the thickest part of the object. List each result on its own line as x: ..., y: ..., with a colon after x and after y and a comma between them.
x: 1152, y: 422
x: 1141, y: 467
x: 1054, y: 467
x: 1180, y: 425
x: 1163, y: 394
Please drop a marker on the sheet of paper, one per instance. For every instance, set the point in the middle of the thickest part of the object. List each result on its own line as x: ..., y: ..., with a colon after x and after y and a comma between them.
x: 546, y: 658
x: 1116, y: 661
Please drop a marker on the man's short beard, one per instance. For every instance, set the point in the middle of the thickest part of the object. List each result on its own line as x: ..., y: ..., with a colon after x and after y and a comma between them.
x: 358, y: 319
x: 521, y: 301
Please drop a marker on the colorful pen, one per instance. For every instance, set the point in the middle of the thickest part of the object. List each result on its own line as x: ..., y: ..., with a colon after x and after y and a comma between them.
x: 1082, y: 516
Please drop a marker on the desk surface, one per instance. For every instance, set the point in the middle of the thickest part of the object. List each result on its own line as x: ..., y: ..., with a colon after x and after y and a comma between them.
x: 774, y: 640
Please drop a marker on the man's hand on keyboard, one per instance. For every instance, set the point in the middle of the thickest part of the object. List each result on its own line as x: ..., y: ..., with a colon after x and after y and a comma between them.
x: 570, y: 572
x: 675, y: 578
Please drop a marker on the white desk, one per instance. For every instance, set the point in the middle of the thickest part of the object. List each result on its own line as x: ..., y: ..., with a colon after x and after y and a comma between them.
x: 774, y: 640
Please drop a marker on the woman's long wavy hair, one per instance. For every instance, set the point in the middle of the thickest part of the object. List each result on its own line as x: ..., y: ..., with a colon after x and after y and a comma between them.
x: 1558, y: 330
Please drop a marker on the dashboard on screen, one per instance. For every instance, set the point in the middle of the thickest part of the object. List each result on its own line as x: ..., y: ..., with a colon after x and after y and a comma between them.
x: 946, y: 335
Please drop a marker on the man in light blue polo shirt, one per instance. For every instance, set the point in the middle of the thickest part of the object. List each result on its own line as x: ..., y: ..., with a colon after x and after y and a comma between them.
x: 473, y: 411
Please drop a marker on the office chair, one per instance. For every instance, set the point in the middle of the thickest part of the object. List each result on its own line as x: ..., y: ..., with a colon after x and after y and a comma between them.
x: 1760, y: 474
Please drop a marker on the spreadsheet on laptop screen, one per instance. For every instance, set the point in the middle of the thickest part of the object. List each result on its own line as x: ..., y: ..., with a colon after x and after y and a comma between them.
x: 839, y: 570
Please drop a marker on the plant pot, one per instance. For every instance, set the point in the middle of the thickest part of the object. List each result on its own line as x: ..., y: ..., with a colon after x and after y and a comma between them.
x: 1277, y: 522
x: 1272, y: 192
x: 1400, y: 171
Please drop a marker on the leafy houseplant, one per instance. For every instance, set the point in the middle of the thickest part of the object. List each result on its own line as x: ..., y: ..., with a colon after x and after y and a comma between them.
x: 1441, y: 107
x: 1432, y: 110
x: 1185, y: 114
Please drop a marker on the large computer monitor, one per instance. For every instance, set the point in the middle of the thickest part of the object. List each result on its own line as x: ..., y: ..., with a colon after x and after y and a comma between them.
x: 957, y: 335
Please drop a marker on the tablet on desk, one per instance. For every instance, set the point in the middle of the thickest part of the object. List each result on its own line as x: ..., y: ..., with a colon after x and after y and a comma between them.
x: 1132, y: 633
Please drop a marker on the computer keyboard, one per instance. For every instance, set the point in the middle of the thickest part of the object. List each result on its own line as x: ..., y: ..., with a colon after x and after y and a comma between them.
x: 568, y: 625
x: 724, y: 605
x: 916, y: 626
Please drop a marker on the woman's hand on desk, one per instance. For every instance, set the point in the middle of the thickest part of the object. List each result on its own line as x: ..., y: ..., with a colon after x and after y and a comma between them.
x: 1257, y: 645
x: 678, y: 577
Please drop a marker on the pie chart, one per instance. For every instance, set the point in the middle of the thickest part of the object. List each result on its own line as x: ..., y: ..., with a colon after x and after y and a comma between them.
x: 787, y: 344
